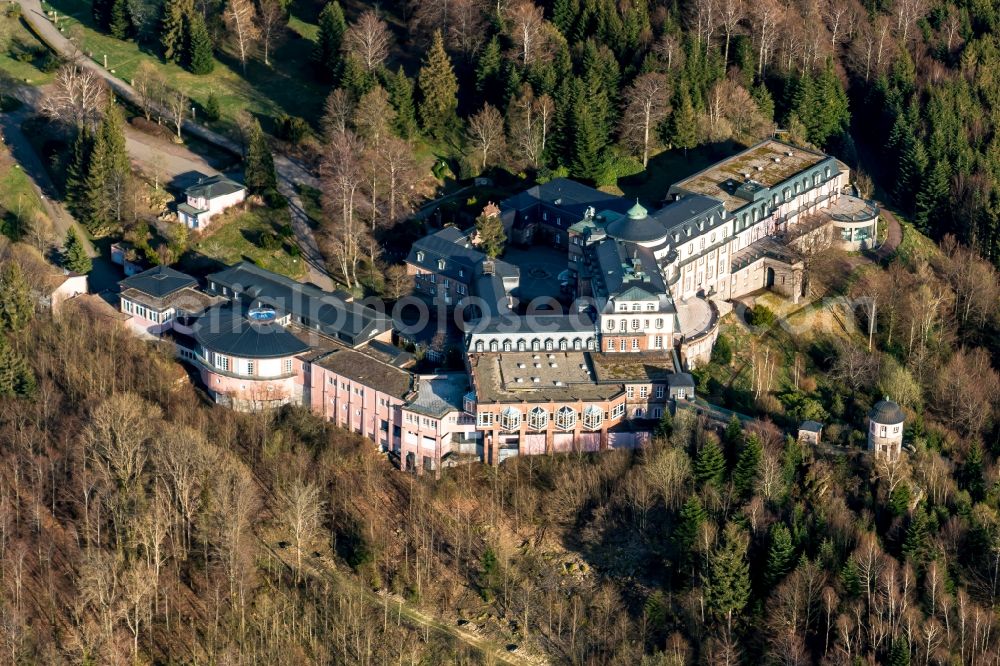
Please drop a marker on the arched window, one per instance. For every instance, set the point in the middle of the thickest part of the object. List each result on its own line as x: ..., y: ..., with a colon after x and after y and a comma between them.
x: 565, y: 418
x: 535, y: 345
x: 548, y: 344
x: 577, y: 344
x: 521, y: 345
x: 494, y: 346
x: 506, y: 345
x: 538, y: 418
x: 510, y: 418
x: 479, y: 345
x: 590, y: 343
x: 562, y: 344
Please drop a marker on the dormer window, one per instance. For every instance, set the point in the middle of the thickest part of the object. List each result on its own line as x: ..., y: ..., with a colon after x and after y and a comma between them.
x: 440, y: 264
x: 420, y: 256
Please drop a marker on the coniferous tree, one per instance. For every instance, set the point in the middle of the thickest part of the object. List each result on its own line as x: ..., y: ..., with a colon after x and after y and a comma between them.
x: 329, y: 39
x: 76, y: 171
x: 118, y: 22
x: 488, y: 69
x: 16, y: 308
x: 900, y: 653
x: 355, y: 78
x: 74, y: 257
x: 438, y: 91
x: 173, y: 29
x: 748, y: 467
x: 259, y: 166
x: 590, y: 145
x: 912, y: 167
x: 916, y: 545
x: 689, y: 521
x: 932, y: 194
x: 726, y: 579
x: 400, y: 89
x: 972, y: 473
x: 684, y: 123
x: 198, y: 53
x: 108, y: 173
x: 16, y: 376
x: 710, y: 466
x: 780, y: 554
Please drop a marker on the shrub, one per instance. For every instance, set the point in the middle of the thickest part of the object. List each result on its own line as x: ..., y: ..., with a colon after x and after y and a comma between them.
x: 211, y: 110
x: 762, y: 316
x: 49, y: 62
x: 274, y: 199
x: 292, y: 128
x: 722, y: 353
x: 270, y: 241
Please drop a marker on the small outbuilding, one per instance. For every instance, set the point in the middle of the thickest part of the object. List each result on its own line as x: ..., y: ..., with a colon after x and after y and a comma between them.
x: 208, y: 198
x: 810, y: 432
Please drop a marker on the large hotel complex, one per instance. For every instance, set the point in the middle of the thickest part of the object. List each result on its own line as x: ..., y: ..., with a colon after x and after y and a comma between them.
x: 645, y: 290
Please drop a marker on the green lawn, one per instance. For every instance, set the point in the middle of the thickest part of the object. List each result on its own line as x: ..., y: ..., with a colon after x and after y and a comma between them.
x: 21, y: 40
x: 17, y: 193
x: 286, y: 87
x: 237, y: 236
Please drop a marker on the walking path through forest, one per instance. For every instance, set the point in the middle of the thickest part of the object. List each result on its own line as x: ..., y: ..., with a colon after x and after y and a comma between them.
x: 894, y: 236
x: 290, y: 172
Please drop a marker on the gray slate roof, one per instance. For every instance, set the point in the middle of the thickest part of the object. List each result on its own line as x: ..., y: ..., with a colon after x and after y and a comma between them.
x: 313, y: 308
x: 563, y: 196
x: 227, y: 331
x: 158, y: 282
x: 440, y: 394
x: 811, y: 426
x: 210, y: 188
x: 886, y: 412
x: 615, y: 265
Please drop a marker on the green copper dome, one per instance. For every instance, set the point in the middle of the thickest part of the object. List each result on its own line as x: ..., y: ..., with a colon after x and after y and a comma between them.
x: 637, y: 212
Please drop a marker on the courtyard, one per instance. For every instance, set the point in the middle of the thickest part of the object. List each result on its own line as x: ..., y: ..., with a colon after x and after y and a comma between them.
x: 540, y: 268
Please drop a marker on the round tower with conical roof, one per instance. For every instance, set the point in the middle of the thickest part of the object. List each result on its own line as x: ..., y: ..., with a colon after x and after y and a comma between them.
x: 885, y: 429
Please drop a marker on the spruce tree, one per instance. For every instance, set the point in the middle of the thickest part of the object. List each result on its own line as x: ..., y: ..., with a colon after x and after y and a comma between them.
x: 933, y: 194
x: 16, y: 376
x: 74, y: 256
x: 173, y: 31
x: 212, y: 111
x: 900, y: 653
x: 972, y: 473
x: 780, y: 554
x: 689, y: 521
x: 400, y: 89
x: 259, y: 166
x: 93, y: 201
x: 438, y: 91
x: 488, y: 69
x: 710, y: 466
x: 726, y: 580
x: 590, y: 146
x: 107, y: 168
x: 916, y: 545
x: 684, y: 123
x: 355, y: 78
x: 911, y: 171
x: 16, y: 308
x: 76, y: 171
x: 119, y: 23
x: 326, y: 55
x: 198, y: 49
x: 748, y: 467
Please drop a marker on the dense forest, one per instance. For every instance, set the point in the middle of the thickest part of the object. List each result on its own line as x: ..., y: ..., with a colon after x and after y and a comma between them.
x: 901, y: 89
x: 141, y: 524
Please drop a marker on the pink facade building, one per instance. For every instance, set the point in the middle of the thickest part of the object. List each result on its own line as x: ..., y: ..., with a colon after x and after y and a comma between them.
x: 208, y: 198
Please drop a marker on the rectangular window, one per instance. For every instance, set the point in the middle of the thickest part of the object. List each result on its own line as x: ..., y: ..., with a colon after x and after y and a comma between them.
x: 658, y: 342
x: 659, y: 391
x: 484, y: 419
x: 623, y: 345
x: 249, y: 367
x: 288, y: 365
x: 643, y: 391
x: 635, y: 344
x: 611, y: 344
x: 630, y: 391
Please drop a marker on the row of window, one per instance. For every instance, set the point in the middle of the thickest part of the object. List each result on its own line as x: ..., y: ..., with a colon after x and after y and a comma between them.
x: 636, y: 307
x: 536, y: 345
x: 146, y: 313
x: 643, y: 391
x: 627, y: 344
x: 222, y: 363
x: 565, y: 418
x: 636, y: 324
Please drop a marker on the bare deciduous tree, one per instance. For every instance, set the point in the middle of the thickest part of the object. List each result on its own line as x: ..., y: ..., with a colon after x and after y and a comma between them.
x: 526, y: 30
x: 177, y: 106
x: 149, y: 85
x: 302, y: 515
x: 369, y: 40
x: 273, y: 17
x: 731, y: 14
x: 646, y: 107
x: 338, y: 110
x: 486, y: 131
x: 241, y: 21
x: 77, y: 97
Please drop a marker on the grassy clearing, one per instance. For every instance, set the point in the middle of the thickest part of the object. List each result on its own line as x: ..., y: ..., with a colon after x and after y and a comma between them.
x: 239, y: 236
x: 286, y: 87
x: 17, y: 193
x: 22, y: 41
x: 915, y: 246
